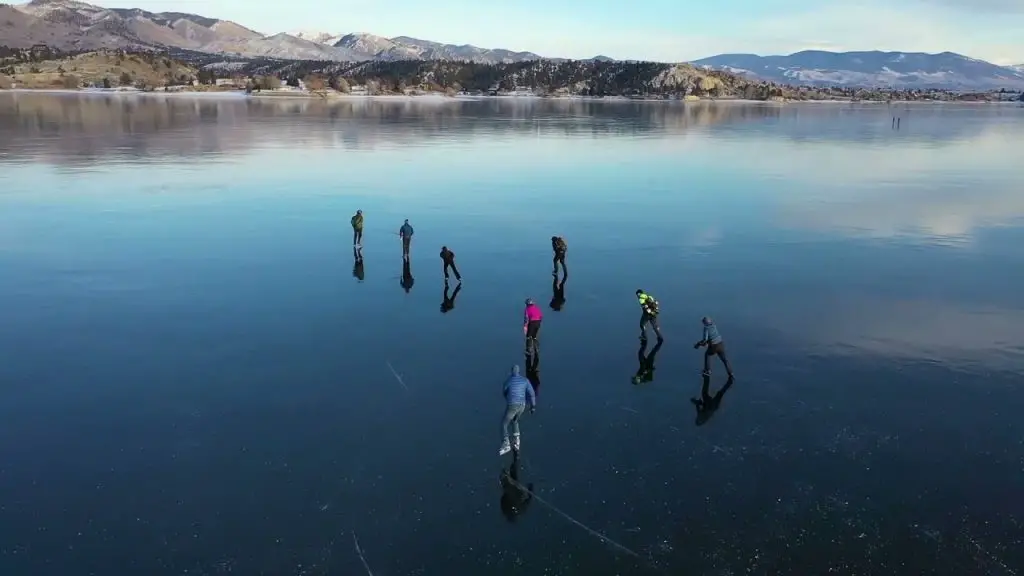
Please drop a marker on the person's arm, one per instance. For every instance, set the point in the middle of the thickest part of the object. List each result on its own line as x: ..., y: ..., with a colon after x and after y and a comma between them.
x: 703, y: 339
x: 531, y: 396
x: 504, y: 387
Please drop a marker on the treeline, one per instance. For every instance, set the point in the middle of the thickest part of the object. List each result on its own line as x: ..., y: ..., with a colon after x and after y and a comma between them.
x: 577, y: 77
x: 39, y: 53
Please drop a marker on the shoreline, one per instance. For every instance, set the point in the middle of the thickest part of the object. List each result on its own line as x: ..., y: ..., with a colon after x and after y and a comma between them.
x: 442, y: 98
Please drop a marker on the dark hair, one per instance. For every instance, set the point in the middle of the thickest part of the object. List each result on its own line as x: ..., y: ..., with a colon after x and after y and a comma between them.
x: 639, y: 291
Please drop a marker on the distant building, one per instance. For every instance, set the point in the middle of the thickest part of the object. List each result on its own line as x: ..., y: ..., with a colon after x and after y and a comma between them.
x: 358, y: 90
x: 232, y: 82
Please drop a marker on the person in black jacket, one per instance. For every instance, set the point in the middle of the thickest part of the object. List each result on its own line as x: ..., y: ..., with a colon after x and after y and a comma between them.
x: 448, y: 259
x: 559, y: 247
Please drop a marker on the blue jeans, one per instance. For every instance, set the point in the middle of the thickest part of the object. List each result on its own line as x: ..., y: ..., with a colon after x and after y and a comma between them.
x: 512, y: 414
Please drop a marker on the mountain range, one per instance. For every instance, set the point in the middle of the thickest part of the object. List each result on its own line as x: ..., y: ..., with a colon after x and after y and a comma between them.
x: 884, y: 69
x: 75, y: 26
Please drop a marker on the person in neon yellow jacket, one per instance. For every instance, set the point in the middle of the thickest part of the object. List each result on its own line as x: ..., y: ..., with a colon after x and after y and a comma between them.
x: 649, y: 314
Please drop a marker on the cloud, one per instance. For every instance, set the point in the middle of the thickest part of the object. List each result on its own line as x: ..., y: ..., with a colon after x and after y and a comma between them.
x: 975, y: 6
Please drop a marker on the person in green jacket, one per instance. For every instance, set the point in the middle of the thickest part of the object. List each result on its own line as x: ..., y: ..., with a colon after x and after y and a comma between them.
x: 649, y: 314
x: 357, y: 228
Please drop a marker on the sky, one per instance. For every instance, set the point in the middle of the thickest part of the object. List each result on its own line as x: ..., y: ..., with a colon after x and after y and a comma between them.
x: 662, y: 30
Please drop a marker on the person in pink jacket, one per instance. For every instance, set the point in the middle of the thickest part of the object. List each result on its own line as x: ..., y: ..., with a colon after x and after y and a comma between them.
x: 532, y: 317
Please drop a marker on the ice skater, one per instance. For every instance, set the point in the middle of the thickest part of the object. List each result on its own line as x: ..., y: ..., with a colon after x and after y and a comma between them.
x: 357, y: 228
x: 532, y: 317
x: 648, y: 314
x: 406, y: 232
x: 715, y: 346
x: 448, y: 260
x: 559, y: 247
x: 518, y: 394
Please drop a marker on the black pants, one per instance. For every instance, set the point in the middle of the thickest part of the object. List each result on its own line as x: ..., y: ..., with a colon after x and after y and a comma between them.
x: 357, y: 236
x: 455, y: 269
x: 405, y: 246
x: 716, y: 350
x: 646, y: 319
x: 532, y: 331
x: 558, y: 259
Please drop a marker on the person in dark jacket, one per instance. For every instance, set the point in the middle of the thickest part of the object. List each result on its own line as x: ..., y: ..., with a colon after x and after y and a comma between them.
x: 448, y: 304
x: 448, y: 259
x: 357, y: 228
x: 518, y: 394
x: 708, y: 404
x: 406, y: 232
x: 559, y: 247
x: 515, y: 497
x: 715, y: 346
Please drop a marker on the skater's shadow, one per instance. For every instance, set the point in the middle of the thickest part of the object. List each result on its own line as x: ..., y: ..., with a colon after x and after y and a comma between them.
x: 645, y: 372
x: 407, y: 279
x: 532, y: 362
x: 707, y: 405
x: 448, y: 302
x: 357, y: 264
x: 558, y: 292
x: 515, y: 497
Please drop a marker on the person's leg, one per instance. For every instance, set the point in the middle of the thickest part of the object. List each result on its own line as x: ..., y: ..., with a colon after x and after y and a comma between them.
x: 510, y: 414
x: 725, y: 360
x: 554, y: 264
x: 644, y: 318
x: 657, y: 328
x: 455, y: 269
x: 707, y: 358
x: 515, y: 425
x: 446, y: 270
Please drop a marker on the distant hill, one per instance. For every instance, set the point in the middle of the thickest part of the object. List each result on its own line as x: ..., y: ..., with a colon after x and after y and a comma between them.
x: 71, y: 25
x: 877, y: 69
x: 109, y: 69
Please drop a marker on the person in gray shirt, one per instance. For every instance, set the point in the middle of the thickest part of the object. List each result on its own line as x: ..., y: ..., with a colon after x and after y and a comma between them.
x: 715, y: 346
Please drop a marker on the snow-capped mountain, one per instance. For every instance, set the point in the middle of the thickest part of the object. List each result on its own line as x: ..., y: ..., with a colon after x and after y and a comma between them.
x: 325, y: 38
x: 883, y: 69
x: 76, y: 25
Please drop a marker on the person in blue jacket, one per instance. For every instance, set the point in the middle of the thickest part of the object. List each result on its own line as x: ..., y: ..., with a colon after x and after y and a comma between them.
x: 518, y: 394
